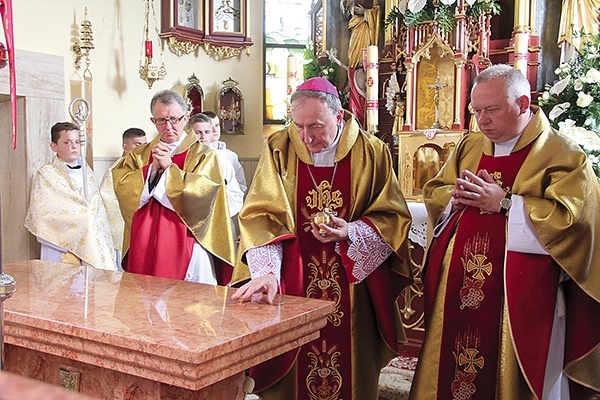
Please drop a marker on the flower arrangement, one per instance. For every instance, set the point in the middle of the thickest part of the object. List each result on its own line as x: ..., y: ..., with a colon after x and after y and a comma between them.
x: 315, y: 67
x: 413, y: 12
x: 573, y: 102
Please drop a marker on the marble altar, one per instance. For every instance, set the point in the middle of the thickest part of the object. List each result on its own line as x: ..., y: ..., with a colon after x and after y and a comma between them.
x: 126, y: 336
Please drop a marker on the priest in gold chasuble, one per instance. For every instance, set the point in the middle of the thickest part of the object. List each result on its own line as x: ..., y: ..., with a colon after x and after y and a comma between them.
x: 512, y: 275
x: 325, y: 218
x: 172, y: 197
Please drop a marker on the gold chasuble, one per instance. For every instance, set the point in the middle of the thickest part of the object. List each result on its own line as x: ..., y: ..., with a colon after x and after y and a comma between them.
x: 363, y: 333
x: 162, y: 239
x: 111, y: 203
x: 60, y: 214
x: 490, y: 310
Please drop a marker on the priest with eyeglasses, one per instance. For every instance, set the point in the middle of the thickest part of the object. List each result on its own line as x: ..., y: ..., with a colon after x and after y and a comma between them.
x: 173, y: 199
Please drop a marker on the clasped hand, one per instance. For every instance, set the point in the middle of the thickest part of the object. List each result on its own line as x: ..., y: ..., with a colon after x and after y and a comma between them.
x: 479, y: 191
x: 161, y: 156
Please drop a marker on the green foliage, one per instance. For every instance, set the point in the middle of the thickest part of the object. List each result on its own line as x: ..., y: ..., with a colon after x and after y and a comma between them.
x: 312, y: 67
x: 443, y: 15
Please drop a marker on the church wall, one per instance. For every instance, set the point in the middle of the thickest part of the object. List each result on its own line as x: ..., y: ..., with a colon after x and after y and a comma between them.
x: 120, y: 98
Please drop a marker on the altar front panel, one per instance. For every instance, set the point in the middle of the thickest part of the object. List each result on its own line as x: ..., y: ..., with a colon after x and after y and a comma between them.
x: 182, y: 334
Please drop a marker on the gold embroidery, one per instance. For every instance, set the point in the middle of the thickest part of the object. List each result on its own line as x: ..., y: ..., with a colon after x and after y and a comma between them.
x: 468, y: 363
x: 324, y: 283
x: 470, y: 359
x: 476, y: 266
x: 479, y: 265
x: 324, y: 380
x: 326, y: 197
x: 497, y: 177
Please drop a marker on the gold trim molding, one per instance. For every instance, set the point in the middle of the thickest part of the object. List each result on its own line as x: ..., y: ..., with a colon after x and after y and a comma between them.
x: 180, y: 48
x: 219, y: 53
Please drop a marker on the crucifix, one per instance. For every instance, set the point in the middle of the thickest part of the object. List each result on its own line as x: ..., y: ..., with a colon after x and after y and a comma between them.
x: 436, y: 87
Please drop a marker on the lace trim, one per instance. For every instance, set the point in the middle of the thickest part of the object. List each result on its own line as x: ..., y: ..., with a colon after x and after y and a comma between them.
x: 366, y: 248
x: 265, y: 260
x: 418, y: 232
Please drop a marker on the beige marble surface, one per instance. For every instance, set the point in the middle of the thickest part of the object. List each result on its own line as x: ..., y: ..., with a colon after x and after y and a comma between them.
x: 40, y: 104
x: 179, y: 333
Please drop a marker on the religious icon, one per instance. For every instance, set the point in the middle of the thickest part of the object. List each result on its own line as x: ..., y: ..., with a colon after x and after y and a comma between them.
x: 187, y: 14
x: 436, y: 87
x: 227, y: 16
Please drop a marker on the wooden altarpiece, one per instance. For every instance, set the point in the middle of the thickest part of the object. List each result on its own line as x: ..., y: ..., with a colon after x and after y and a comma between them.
x: 434, y: 70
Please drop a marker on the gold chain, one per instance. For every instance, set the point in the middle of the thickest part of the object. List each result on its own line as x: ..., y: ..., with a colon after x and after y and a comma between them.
x: 317, y: 186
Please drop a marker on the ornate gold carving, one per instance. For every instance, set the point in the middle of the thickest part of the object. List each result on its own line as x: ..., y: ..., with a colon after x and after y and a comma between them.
x: 69, y: 380
x: 412, y: 292
x: 224, y: 52
x: 324, y: 283
x: 324, y: 380
x: 180, y: 48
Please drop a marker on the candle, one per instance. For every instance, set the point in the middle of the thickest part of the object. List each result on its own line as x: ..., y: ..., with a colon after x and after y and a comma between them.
x: 291, y: 74
x: 148, y: 47
x: 372, y: 100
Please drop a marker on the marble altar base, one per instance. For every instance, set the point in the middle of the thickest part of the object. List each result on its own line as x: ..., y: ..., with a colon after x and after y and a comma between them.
x: 103, y: 383
x: 130, y: 336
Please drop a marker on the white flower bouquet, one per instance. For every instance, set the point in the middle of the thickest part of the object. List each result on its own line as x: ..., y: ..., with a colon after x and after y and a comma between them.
x: 573, y: 102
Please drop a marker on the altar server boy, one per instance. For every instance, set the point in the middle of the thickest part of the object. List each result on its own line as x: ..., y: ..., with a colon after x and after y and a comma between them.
x: 70, y: 226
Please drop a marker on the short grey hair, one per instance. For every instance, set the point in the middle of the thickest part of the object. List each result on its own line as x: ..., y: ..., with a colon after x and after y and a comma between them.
x: 516, y: 83
x: 168, y: 96
x: 333, y: 102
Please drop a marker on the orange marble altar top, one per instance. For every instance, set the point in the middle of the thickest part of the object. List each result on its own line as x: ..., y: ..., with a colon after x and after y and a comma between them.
x: 180, y: 333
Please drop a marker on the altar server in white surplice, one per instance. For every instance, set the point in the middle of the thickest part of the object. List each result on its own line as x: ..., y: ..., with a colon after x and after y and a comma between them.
x: 132, y: 138
x: 69, y: 227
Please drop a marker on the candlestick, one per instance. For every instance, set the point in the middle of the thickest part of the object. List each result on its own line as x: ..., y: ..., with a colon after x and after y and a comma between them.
x: 372, y: 100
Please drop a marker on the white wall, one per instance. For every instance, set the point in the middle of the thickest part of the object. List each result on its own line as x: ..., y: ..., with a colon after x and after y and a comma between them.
x: 120, y: 98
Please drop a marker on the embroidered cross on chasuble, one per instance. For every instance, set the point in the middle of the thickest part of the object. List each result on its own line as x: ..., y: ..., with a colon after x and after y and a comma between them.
x: 473, y: 302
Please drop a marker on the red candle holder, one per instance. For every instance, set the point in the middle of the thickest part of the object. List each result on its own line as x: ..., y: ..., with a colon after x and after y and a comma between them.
x: 148, y: 47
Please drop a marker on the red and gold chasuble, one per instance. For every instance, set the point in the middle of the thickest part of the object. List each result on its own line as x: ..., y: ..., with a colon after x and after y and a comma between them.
x: 474, y: 291
x: 324, y: 365
x: 155, y: 232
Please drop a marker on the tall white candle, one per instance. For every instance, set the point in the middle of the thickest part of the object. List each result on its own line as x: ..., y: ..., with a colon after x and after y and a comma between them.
x: 291, y: 80
x: 291, y: 74
x: 372, y: 70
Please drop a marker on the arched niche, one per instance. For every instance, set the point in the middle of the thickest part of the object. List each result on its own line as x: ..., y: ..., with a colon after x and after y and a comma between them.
x: 230, y: 108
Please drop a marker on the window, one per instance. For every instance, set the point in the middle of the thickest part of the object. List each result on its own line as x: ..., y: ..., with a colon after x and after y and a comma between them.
x: 287, y: 32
